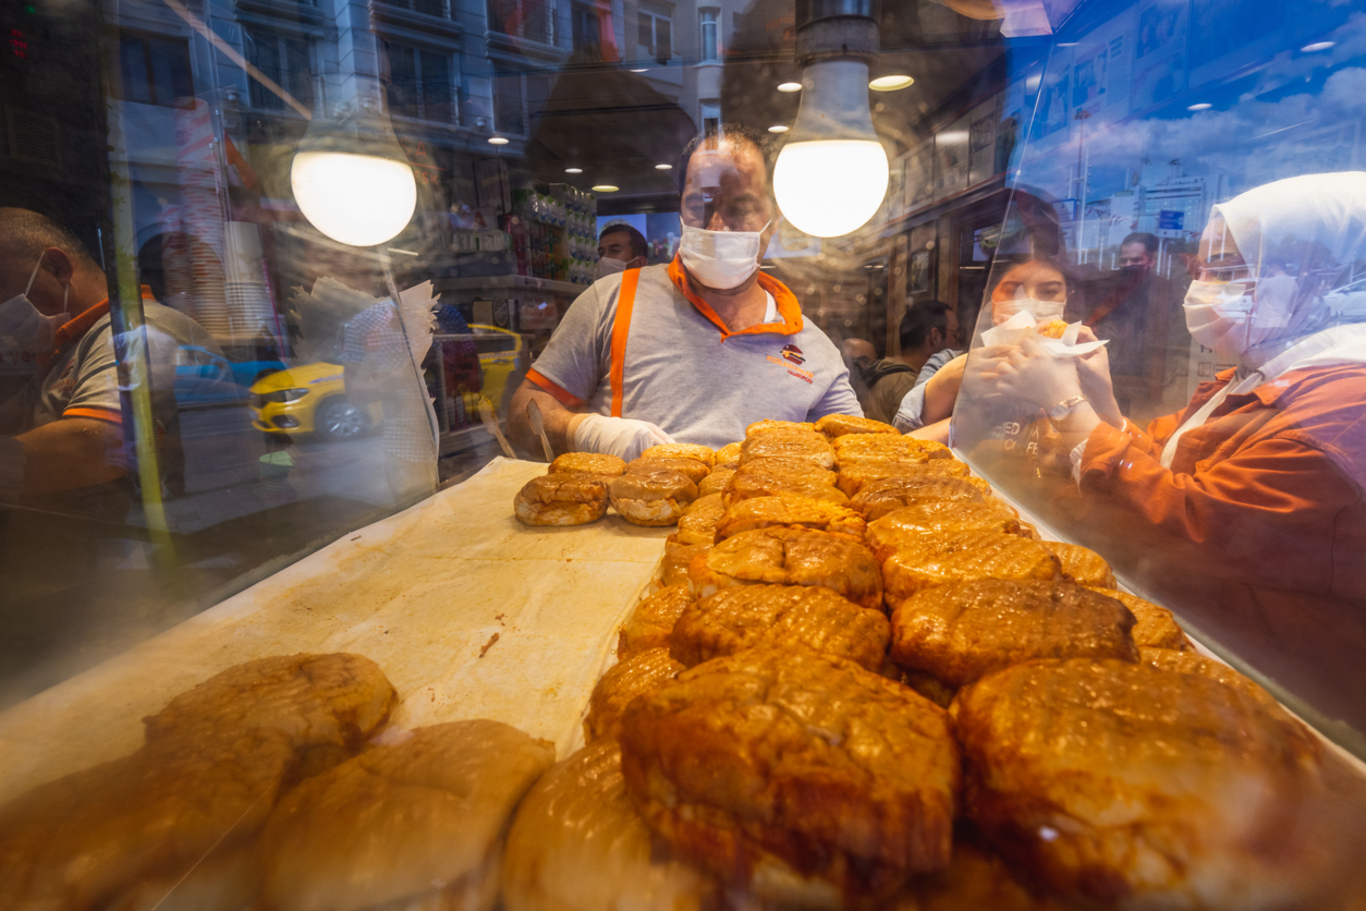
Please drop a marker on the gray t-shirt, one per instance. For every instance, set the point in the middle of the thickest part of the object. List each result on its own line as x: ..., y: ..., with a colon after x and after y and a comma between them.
x: 683, y: 372
x: 83, y: 380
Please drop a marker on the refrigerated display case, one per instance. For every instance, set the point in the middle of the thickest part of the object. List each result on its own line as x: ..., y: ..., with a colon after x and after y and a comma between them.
x: 242, y: 609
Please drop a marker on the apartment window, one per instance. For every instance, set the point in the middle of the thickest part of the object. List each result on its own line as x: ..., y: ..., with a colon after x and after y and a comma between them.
x: 509, y: 103
x: 711, y: 37
x: 155, y: 69
x: 587, y: 28
x: 420, y: 83
x: 655, y: 33
x: 531, y: 19
x: 430, y: 7
x: 287, y: 62
x: 517, y: 98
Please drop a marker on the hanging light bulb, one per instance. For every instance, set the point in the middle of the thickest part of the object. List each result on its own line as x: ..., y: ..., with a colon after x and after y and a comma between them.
x: 832, y: 174
x: 351, y: 178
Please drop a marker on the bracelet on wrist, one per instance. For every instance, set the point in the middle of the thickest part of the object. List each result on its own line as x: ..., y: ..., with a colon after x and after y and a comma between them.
x: 1065, y: 407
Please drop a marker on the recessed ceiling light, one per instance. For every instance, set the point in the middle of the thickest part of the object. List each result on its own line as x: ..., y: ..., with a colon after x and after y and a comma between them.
x: 646, y: 70
x: 573, y: 170
x: 1317, y: 46
x: 1201, y: 106
x: 605, y: 188
x: 664, y: 167
x: 789, y: 86
x: 892, y: 83
x: 497, y: 141
x: 779, y: 128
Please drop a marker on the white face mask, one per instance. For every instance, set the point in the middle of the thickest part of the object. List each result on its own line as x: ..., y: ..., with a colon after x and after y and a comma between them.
x: 721, y: 259
x: 25, y: 327
x: 608, y: 266
x: 1042, y: 311
x: 1219, y: 315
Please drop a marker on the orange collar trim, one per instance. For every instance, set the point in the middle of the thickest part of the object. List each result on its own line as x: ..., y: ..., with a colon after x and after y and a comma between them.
x: 788, y: 308
x: 71, y: 331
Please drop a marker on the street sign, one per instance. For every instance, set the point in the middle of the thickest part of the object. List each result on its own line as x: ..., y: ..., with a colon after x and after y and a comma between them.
x: 1169, y: 220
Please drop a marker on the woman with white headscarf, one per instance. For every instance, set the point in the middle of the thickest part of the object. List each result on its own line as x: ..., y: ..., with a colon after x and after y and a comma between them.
x: 1256, y: 488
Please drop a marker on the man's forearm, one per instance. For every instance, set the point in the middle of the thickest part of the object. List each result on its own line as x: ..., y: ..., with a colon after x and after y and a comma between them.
x: 558, y: 420
x: 71, y: 453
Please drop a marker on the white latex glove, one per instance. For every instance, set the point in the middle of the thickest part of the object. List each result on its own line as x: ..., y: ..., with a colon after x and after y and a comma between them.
x: 617, y: 436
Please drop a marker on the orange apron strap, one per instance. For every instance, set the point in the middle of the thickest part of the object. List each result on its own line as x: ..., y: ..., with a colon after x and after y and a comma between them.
x: 621, y: 327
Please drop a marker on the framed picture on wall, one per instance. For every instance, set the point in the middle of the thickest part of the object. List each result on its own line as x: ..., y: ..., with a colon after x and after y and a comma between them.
x: 918, y: 282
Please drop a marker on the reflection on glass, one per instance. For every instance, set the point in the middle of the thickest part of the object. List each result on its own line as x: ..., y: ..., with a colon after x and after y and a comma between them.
x: 1196, y: 505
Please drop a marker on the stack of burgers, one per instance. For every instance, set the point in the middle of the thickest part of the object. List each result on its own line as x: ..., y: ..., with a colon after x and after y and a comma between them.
x: 653, y: 490
x: 277, y: 785
x: 864, y: 683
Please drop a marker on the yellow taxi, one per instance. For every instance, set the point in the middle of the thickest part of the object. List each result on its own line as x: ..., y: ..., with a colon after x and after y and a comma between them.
x: 311, y: 398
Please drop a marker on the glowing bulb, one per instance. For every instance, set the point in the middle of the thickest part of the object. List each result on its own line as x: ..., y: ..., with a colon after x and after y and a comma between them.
x: 832, y: 174
x: 790, y: 87
x: 778, y: 128
x: 826, y: 189
x: 664, y: 167
x: 360, y: 200
x: 891, y: 83
x: 605, y: 188
x: 497, y: 141
x: 573, y: 170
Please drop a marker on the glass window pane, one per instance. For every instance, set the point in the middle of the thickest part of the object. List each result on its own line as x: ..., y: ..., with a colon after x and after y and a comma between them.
x: 300, y: 69
x: 664, y: 48
x: 436, y: 86
x: 403, y: 93
x: 133, y: 58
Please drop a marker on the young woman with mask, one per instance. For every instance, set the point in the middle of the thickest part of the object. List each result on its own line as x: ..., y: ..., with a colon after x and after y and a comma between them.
x: 1253, y: 494
x: 1037, y: 286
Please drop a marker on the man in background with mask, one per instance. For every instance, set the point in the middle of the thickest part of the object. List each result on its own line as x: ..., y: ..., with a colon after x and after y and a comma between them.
x: 695, y: 350
x: 61, y: 434
x: 620, y: 247
x: 1138, y: 311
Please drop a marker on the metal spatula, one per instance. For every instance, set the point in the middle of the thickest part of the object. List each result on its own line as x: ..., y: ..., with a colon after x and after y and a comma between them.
x: 533, y: 411
x: 491, y: 424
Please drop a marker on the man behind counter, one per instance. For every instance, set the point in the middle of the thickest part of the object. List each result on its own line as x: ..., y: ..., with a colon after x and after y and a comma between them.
x: 695, y: 350
x: 62, y: 429
x: 620, y: 247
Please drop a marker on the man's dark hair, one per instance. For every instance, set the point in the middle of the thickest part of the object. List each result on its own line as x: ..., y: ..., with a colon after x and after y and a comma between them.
x: 1148, y: 241
x: 639, y: 247
x: 24, y: 233
x: 736, y: 134
x: 919, y: 319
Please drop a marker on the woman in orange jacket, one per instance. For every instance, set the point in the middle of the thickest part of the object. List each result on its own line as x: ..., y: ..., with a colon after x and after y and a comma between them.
x: 1244, y: 511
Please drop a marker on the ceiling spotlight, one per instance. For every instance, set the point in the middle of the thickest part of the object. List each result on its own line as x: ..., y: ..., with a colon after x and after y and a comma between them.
x: 605, y: 188
x: 779, y: 128
x: 664, y: 167
x: 497, y: 141
x: 1317, y: 46
x: 894, y: 83
x: 573, y: 170
x: 1201, y: 106
x: 789, y: 87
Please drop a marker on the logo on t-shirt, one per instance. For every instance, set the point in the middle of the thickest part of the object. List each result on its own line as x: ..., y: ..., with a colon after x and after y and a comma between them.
x: 793, y: 354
